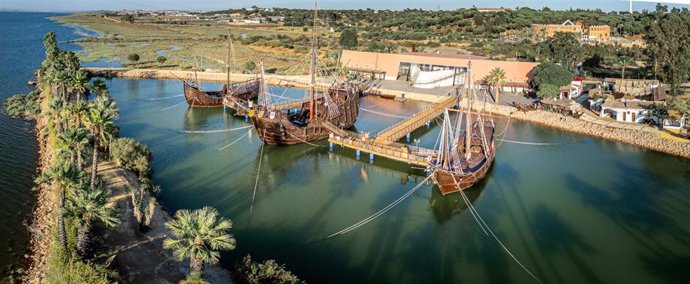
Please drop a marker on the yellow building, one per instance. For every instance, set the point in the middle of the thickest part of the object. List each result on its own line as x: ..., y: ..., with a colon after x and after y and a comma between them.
x: 599, y: 33
x: 551, y: 30
x: 591, y: 33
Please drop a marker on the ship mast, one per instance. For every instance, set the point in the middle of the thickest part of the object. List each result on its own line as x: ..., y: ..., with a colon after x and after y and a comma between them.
x: 262, y: 87
x: 468, y: 126
x: 227, y: 86
x: 312, y: 68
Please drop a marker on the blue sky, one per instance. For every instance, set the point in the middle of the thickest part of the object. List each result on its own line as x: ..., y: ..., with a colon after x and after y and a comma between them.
x: 86, y: 5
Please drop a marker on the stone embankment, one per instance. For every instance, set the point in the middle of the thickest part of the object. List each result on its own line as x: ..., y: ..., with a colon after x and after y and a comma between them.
x: 639, y: 138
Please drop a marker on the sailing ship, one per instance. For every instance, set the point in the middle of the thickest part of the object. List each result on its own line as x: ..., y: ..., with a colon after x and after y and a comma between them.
x: 463, y: 160
x: 337, y: 106
x: 236, y: 94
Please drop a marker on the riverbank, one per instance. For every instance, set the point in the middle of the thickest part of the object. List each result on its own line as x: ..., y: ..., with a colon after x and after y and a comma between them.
x: 651, y: 141
x: 137, y: 256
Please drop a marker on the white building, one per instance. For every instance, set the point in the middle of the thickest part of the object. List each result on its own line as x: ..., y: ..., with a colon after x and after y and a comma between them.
x: 633, y: 111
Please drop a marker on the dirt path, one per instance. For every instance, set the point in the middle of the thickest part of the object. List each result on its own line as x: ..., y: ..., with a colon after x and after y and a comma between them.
x: 140, y: 257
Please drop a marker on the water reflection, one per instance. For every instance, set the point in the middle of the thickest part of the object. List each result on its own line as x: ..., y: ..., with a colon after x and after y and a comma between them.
x: 444, y: 207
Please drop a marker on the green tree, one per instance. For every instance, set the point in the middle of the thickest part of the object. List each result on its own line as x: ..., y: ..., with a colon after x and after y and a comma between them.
x: 249, y: 66
x: 348, y: 39
x: 563, y: 48
x: 133, y: 57
x: 161, y: 59
x: 550, y: 73
x: 496, y: 78
x: 80, y: 84
x: 269, y: 271
x: 100, y: 120
x: 199, y: 235
x: 99, y: 87
x: 87, y: 206
x: 75, y: 140
x: 63, y: 175
x: 130, y: 154
x: 547, y: 90
x: 624, y: 62
x: 668, y: 48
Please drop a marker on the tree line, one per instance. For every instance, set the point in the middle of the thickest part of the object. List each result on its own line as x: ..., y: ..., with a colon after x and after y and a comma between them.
x: 78, y: 126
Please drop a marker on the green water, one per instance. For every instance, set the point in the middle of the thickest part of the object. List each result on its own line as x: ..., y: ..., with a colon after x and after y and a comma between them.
x: 582, y: 211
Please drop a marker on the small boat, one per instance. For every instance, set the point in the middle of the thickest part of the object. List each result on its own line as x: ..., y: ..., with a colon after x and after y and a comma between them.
x: 461, y: 162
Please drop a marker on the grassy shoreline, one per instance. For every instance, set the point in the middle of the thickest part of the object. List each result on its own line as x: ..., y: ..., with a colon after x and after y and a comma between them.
x: 185, y: 46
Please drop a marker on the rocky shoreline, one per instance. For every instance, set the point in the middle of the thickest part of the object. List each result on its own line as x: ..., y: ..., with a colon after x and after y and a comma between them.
x: 642, y: 139
x: 42, y: 219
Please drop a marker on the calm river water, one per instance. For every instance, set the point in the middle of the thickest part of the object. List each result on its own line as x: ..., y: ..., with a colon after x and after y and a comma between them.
x: 580, y: 211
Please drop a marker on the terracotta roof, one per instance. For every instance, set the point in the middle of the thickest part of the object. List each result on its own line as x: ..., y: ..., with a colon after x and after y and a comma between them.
x: 445, y: 55
x: 631, y: 104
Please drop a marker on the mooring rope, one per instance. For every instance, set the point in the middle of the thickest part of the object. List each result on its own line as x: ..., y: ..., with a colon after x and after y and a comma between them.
x: 233, y: 142
x: 383, y: 113
x: 165, y: 98
x: 380, y: 212
x: 486, y: 229
x: 167, y: 108
x: 216, y: 131
x: 528, y: 143
x: 256, y: 183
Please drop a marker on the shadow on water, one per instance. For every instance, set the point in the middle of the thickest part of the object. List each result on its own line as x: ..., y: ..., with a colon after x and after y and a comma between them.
x: 635, y: 204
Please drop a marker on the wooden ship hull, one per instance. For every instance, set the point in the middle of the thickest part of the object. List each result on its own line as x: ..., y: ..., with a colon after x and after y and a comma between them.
x: 470, y: 171
x: 244, y: 91
x: 283, y: 128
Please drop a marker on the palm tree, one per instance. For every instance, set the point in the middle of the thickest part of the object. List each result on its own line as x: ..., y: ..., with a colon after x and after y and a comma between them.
x: 80, y: 84
x: 496, y: 78
x: 75, y: 140
x: 65, y: 176
x: 57, y: 112
x: 100, y: 120
x: 624, y: 62
x: 87, y: 206
x: 100, y: 88
x: 199, y: 235
x: 77, y: 110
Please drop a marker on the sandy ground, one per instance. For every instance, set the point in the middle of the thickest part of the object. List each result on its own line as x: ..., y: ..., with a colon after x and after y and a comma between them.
x: 140, y: 257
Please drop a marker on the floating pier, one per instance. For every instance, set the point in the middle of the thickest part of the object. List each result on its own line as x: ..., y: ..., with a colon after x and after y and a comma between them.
x: 385, y: 145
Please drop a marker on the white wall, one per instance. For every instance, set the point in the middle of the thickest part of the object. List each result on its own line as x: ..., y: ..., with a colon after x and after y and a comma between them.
x: 434, y: 79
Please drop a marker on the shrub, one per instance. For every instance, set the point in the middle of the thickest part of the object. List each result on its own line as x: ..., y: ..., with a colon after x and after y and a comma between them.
x: 547, y: 90
x: 549, y: 73
x: 22, y: 105
x: 348, y: 39
x: 249, y: 66
x: 131, y: 155
x: 248, y: 271
x: 161, y: 59
x: 133, y: 57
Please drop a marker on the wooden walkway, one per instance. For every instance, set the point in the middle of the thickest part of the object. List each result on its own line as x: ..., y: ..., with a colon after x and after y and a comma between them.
x: 384, y: 144
x: 401, y: 129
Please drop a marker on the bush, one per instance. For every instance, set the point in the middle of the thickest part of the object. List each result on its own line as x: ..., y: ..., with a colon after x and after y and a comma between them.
x: 22, y: 105
x: 547, y: 90
x: 133, y: 57
x: 161, y: 59
x: 249, y: 66
x: 131, y: 155
x: 348, y: 39
x: 549, y: 73
x: 248, y: 271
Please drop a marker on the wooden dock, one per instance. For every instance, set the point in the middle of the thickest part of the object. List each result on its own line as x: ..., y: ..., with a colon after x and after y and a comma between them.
x: 385, y: 145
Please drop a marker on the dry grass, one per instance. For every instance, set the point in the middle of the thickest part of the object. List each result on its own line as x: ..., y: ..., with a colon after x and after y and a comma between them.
x: 200, y: 44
